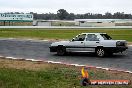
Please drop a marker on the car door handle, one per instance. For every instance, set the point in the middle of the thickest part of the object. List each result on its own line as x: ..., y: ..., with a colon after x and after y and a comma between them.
x: 97, y: 42
x: 81, y: 42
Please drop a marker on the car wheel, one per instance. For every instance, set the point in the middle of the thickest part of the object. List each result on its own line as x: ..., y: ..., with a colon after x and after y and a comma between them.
x: 100, y: 52
x: 61, y: 50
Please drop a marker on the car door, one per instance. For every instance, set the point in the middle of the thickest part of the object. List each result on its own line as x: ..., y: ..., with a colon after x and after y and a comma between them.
x: 91, y: 42
x: 77, y: 44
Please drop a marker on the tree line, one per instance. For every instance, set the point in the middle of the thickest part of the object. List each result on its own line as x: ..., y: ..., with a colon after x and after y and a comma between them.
x: 62, y: 14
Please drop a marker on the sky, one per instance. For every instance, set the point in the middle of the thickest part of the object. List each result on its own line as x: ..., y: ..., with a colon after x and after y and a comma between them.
x: 71, y: 6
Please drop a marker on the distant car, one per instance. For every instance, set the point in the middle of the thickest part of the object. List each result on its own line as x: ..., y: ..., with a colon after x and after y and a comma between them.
x: 99, y: 43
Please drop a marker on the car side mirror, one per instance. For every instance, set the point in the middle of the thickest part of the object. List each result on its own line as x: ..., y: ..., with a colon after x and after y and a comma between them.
x: 73, y: 39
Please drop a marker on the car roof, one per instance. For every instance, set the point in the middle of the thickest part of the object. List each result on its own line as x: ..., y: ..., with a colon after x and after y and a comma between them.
x: 93, y: 33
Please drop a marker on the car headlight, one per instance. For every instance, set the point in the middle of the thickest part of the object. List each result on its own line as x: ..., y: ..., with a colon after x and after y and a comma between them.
x: 118, y: 43
x: 126, y: 44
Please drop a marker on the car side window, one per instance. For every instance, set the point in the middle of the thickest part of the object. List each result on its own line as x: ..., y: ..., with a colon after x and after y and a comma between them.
x: 80, y: 37
x: 92, y: 37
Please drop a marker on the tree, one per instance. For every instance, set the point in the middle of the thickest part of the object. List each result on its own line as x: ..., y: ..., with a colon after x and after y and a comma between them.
x: 62, y: 14
x: 108, y: 15
x: 71, y: 16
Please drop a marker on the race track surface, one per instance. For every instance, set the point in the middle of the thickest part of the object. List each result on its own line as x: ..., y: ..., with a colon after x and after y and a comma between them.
x: 40, y: 50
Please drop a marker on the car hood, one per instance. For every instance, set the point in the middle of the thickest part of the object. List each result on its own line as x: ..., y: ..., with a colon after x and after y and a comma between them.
x: 121, y: 40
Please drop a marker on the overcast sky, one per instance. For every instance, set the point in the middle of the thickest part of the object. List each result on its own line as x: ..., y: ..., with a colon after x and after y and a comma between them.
x: 74, y: 6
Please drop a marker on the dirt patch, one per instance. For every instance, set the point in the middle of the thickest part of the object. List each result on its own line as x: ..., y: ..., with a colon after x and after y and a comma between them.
x: 129, y: 43
x: 22, y: 64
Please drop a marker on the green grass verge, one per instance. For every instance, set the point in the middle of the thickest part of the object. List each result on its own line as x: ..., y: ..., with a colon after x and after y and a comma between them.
x: 12, y: 78
x: 52, y: 78
x: 26, y: 74
x: 125, y: 34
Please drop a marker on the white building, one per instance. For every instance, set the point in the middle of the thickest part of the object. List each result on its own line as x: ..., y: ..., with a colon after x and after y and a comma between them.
x: 42, y: 23
x: 102, y: 22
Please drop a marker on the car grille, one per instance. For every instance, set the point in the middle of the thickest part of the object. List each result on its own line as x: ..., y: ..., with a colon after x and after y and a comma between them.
x: 122, y: 44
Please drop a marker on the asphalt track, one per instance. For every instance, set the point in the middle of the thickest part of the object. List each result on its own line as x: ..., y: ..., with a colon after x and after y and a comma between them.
x: 33, y: 49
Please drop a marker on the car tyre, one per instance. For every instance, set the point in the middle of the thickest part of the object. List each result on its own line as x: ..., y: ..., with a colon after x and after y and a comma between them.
x: 100, y: 52
x: 61, y: 50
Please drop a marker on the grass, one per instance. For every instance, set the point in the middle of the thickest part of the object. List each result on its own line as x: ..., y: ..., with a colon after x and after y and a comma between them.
x: 125, y: 34
x: 12, y: 78
x: 26, y: 74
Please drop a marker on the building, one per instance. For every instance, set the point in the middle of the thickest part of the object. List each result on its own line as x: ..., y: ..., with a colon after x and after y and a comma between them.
x: 8, y: 19
x: 42, y: 23
x: 53, y: 23
x: 102, y: 22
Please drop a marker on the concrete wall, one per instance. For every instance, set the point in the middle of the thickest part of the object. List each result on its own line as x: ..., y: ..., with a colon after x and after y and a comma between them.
x: 123, y: 24
x: 41, y: 23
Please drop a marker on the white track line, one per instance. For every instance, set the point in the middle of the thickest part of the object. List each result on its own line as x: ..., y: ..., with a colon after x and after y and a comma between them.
x: 37, y: 60
x: 105, y: 69
x: 80, y: 65
x: 56, y: 62
x: 70, y: 64
x: 129, y: 45
x: 9, y: 57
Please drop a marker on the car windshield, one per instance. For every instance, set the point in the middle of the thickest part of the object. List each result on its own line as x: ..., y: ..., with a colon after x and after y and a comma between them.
x: 106, y: 37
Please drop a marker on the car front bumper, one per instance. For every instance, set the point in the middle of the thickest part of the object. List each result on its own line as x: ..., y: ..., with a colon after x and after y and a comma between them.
x: 116, y: 49
x: 53, y: 48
